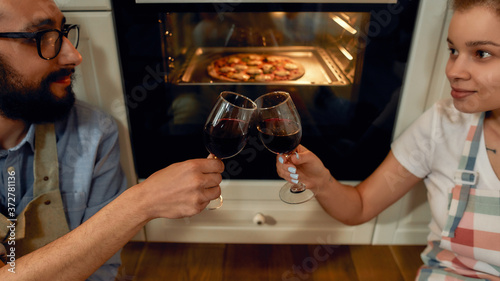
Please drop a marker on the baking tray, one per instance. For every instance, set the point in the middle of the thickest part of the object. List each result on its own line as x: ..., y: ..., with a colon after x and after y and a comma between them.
x: 320, y: 69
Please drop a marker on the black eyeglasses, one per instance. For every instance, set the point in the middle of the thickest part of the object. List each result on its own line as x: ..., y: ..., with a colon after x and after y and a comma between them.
x: 49, y: 41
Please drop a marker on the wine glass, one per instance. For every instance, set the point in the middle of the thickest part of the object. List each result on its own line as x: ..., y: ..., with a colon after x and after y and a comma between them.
x: 226, y: 130
x: 280, y: 131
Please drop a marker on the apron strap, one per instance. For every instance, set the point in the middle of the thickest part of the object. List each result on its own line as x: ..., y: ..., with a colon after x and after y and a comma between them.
x: 465, y: 178
x: 46, y: 165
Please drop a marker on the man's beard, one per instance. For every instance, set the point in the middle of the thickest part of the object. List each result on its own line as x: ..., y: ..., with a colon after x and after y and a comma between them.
x: 32, y: 103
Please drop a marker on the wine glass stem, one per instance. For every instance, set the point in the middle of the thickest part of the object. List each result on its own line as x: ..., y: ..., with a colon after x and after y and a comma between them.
x: 298, y: 188
x: 220, y: 199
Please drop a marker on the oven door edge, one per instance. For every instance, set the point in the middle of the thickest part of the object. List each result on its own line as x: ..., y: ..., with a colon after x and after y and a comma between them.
x: 267, y: 1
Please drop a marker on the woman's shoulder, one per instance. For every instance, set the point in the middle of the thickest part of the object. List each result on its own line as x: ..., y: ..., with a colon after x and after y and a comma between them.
x: 445, y: 113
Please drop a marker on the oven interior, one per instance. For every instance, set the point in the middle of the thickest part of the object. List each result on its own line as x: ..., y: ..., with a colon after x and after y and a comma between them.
x: 347, y: 97
x: 327, y: 44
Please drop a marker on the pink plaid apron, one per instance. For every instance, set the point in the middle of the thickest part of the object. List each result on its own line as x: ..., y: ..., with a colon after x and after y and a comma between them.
x: 470, y: 243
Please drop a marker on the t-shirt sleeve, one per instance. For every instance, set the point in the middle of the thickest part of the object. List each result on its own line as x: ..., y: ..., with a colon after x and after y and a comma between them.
x: 414, y: 148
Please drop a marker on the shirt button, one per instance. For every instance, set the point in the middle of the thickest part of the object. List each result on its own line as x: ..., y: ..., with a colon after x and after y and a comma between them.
x: 11, y: 169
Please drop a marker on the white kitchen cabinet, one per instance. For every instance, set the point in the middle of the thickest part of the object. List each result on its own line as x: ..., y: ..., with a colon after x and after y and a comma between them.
x: 235, y: 221
x: 406, y: 222
x: 98, y: 78
x: 84, y: 5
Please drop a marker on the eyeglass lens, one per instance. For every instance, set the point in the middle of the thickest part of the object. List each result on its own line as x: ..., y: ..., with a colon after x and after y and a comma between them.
x: 51, y: 42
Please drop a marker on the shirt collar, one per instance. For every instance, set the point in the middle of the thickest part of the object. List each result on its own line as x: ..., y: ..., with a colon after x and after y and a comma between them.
x: 29, y: 138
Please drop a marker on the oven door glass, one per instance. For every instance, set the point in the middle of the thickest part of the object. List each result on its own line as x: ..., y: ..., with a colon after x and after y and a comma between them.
x: 351, y: 59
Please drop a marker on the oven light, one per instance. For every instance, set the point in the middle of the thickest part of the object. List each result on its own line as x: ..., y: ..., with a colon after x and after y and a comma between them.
x: 278, y: 15
x: 344, y: 24
x: 346, y: 53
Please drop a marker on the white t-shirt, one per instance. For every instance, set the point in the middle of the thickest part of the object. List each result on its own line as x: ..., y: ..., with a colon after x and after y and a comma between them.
x: 431, y: 149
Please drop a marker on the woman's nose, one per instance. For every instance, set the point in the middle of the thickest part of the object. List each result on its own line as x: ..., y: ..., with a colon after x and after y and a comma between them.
x: 457, y: 68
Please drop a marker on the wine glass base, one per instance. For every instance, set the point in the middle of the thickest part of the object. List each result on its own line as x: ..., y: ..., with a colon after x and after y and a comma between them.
x: 294, y: 197
x: 215, y: 204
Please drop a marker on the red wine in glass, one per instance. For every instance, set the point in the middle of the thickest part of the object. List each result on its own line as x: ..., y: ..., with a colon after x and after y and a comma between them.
x: 226, y: 129
x: 276, y: 139
x: 227, y: 138
x: 280, y: 131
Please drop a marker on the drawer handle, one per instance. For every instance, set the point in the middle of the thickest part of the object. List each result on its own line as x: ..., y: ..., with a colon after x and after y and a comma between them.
x: 259, y: 219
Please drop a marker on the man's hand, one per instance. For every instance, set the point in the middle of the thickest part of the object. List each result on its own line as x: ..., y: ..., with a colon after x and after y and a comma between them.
x: 182, y: 189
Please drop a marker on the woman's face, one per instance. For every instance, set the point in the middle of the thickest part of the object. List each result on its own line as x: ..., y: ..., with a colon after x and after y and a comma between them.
x: 473, y: 68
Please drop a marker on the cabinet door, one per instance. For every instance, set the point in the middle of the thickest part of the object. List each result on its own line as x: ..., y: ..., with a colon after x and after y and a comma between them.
x: 406, y: 221
x: 84, y: 5
x: 98, y: 78
x: 253, y: 213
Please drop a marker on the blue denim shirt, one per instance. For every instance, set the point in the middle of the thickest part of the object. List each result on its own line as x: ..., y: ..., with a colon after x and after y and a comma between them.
x: 90, y: 175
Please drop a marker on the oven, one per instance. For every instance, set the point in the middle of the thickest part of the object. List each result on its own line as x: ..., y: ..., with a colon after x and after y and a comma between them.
x: 355, y: 56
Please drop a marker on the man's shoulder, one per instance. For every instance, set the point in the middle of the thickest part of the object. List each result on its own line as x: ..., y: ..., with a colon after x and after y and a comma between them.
x: 86, y: 110
x: 87, y: 117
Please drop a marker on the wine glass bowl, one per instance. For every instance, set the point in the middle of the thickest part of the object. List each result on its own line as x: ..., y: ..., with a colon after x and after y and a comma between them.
x: 226, y: 130
x: 280, y: 131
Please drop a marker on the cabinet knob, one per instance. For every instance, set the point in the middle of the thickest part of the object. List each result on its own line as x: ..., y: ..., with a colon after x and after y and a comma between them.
x: 259, y: 219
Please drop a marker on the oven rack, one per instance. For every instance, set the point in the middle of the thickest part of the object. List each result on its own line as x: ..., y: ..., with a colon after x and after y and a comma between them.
x: 320, y: 68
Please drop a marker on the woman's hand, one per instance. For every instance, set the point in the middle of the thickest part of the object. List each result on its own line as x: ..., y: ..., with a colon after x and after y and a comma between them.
x: 303, y: 166
x: 351, y: 205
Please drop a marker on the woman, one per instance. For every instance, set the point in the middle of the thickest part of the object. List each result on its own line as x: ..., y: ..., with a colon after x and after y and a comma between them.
x: 454, y: 147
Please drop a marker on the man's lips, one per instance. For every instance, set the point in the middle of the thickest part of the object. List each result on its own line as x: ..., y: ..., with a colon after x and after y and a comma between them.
x: 458, y: 93
x: 64, y: 80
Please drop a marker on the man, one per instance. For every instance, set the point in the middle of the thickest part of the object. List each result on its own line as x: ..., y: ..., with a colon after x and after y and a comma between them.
x: 63, y: 204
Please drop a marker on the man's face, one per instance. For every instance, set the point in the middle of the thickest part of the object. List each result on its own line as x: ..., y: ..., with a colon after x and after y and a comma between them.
x: 33, y: 89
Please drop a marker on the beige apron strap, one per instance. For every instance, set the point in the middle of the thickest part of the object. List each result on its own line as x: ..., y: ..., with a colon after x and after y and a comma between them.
x: 46, y: 165
x: 4, y: 222
x: 43, y: 220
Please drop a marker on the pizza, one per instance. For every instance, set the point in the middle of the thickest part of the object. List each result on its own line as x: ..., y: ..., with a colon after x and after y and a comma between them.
x: 246, y: 67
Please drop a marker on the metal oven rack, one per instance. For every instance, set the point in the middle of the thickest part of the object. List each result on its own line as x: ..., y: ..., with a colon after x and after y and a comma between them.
x: 320, y: 68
